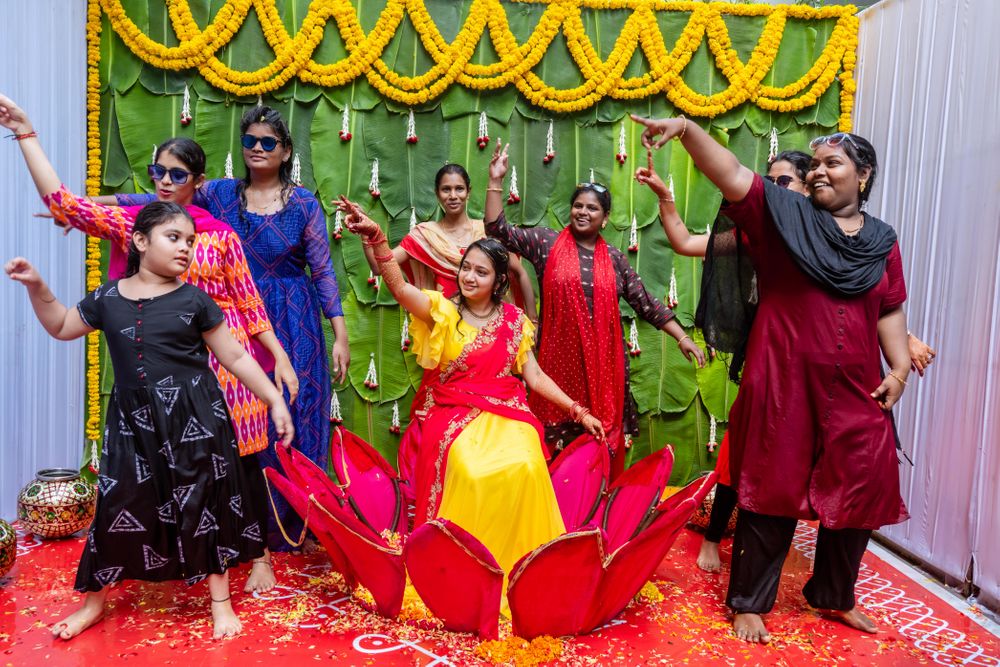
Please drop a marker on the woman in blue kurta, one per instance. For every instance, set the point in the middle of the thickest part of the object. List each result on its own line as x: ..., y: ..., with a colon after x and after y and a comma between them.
x: 283, y: 230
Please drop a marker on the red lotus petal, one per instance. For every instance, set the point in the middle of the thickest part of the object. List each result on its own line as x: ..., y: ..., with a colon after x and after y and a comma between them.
x: 579, y: 478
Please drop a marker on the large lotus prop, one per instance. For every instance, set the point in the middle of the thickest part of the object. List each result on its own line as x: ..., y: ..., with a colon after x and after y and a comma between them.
x: 617, y: 536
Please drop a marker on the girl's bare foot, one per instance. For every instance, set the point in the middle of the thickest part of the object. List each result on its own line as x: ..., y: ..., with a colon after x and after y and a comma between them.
x: 852, y: 617
x: 708, y: 556
x: 750, y: 628
x: 261, y: 578
x: 89, y: 613
x: 227, y: 623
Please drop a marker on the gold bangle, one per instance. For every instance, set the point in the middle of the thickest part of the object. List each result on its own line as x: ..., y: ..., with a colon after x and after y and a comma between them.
x: 494, y: 189
x: 685, y: 337
x: 683, y: 129
x: 897, y: 378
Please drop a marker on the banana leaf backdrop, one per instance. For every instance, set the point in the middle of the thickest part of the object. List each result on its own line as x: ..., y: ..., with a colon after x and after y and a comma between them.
x: 141, y: 105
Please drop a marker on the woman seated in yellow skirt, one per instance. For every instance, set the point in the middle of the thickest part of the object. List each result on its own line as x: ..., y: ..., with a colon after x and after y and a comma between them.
x: 481, y: 463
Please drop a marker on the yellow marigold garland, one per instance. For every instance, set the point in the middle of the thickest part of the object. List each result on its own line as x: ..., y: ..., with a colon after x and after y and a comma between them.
x: 92, y: 426
x: 603, y: 78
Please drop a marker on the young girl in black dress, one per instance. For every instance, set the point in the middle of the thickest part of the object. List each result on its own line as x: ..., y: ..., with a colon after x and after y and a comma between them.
x: 172, y: 501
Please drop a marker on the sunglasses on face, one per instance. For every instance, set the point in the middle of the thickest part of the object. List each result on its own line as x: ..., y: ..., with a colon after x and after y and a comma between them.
x: 267, y: 143
x: 832, y: 140
x: 596, y: 187
x: 782, y: 181
x: 177, y: 175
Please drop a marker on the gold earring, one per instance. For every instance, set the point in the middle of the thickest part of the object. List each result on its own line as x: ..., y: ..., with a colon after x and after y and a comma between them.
x: 862, y: 186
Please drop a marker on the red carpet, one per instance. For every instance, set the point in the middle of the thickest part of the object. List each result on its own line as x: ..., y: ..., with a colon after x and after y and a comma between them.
x: 309, y: 620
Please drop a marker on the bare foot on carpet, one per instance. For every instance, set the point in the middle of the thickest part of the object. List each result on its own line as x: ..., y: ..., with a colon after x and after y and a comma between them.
x: 226, y: 622
x: 750, y: 628
x: 853, y: 618
x: 708, y: 556
x: 261, y: 578
x: 89, y: 613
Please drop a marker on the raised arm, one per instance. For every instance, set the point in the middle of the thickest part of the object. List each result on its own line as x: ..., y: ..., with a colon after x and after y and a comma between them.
x: 712, y: 159
x: 409, y: 297
x: 16, y: 120
x: 681, y: 240
x: 60, y: 322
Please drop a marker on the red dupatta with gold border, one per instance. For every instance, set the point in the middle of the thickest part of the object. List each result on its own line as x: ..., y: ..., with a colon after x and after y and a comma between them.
x: 478, y: 380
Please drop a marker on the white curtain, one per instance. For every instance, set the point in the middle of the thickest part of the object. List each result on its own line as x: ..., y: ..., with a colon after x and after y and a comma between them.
x: 41, y: 379
x: 928, y: 99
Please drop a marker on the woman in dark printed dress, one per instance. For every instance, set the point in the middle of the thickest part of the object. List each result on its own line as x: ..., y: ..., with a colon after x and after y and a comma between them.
x: 581, y: 278
x: 172, y: 501
x: 283, y: 231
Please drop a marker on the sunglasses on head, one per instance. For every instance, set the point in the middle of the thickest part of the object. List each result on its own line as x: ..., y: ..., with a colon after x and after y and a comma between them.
x: 267, y: 143
x: 832, y: 140
x: 596, y: 187
x: 782, y: 181
x: 178, y: 176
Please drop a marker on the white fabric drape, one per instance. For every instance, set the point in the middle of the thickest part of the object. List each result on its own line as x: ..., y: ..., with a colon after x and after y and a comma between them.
x: 928, y: 99
x: 41, y: 379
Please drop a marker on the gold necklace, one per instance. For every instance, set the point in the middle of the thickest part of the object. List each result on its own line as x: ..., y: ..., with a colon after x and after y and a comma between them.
x: 850, y: 232
x: 489, y: 314
x: 263, y: 207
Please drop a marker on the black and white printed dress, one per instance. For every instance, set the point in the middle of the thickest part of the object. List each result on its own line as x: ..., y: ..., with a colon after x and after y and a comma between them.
x: 173, y: 496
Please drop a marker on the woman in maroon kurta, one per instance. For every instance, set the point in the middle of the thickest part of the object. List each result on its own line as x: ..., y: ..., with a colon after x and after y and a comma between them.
x: 811, y: 434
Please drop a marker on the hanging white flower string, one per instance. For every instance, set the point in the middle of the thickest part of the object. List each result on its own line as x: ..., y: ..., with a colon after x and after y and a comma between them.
x: 712, y: 433
x: 260, y: 100
x: 413, y: 217
x: 228, y: 169
x: 628, y: 441
x: 345, y: 124
x: 772, y: 151
x: 404, y: 339
x: 372, y: 280
x: 394, y: 427
x: 591, y: 175
x: 338, y: 225
x: 335, y: 415
x: 373, y: 187
x: 550, y: 145
x: 633, y: 236
x: 296, y: 174
x: 371, y: 379
x: 633, y: 340
x: 483, y: 138
x: 186, y: 107
x: 411, y: 129
x: 513, y: 196
x: 152, y: 159
x: 95, y: 458
x: 672, y: 291
x: 621, y: 155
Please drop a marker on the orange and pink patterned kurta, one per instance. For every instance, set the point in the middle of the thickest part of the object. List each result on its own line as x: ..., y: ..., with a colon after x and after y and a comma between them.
x: 220, y: 269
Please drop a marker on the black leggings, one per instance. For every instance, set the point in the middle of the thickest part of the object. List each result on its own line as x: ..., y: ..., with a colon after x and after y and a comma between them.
x: 722, y: 509
x: 759, y: 551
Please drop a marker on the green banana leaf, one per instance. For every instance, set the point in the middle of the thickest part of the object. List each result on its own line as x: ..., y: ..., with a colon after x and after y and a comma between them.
x: 536, y: 180
x: 686, y: 432
x: 374, y: 335
x: 662, y: 379
x: 631, y: 198
x: 716, y: 391
x: 160, y: 29
x: 578, y: 150
x: 119, y: 67
x: 114, y: 163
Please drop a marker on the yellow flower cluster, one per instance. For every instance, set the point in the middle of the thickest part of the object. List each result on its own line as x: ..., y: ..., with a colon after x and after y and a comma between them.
x: 603, y: 78
x: 514, y: 650
x: 92, y: 425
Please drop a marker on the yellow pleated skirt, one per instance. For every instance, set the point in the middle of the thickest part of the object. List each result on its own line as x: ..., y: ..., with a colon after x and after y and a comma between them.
x: 497, y: 487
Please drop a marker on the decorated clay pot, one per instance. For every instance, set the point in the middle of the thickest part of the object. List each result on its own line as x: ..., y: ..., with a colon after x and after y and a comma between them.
x: 57, y: 503
x: 701, y: 517
x: 8, y: 547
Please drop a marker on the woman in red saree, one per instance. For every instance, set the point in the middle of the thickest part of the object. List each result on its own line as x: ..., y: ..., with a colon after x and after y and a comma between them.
x: 581, y: 279
x: 429, y: 255
x: 481, y: 464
